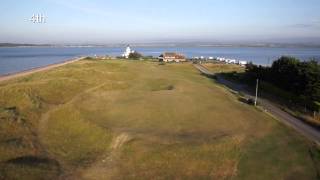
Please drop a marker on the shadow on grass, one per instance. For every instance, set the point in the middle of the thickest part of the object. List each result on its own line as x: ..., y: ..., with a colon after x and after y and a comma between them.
x: 33, y: 161
x: 30, y: 167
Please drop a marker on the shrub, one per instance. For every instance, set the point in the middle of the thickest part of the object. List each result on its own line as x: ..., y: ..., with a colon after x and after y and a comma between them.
x: 251, y: 101
x: 135, y: 55
x: 88, y: 58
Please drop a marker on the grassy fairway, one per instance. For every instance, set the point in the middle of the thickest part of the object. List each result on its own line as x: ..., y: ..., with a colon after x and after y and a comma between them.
x: 141, y: 120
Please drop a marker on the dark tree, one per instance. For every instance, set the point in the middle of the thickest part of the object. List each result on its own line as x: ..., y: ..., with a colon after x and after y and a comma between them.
x: 299, y: 78
x: 135, y: 55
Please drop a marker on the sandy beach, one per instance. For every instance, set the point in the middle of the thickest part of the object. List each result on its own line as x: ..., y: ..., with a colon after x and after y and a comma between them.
x: 39, y: 69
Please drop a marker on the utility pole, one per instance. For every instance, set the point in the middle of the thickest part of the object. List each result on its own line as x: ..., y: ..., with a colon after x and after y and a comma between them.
x: 257, y: 88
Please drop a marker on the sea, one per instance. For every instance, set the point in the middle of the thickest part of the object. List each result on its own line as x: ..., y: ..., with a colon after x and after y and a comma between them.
x: 17, y: 59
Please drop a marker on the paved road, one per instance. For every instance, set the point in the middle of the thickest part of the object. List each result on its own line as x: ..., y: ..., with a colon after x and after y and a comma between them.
x: 308, y: 131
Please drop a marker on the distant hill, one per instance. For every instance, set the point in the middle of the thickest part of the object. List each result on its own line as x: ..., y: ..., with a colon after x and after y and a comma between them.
x: 19, y: 45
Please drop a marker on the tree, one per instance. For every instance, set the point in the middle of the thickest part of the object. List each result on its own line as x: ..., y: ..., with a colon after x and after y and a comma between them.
x: 288, y: 73
x: 317, y: 106
x: 285, y: 73
x: 135, y: 55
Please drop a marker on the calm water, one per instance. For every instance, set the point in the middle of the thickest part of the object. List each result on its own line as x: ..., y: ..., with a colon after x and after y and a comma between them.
x: 18, y: 59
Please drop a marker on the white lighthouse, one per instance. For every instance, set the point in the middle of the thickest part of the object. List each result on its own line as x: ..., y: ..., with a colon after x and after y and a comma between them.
x: 127, y: 52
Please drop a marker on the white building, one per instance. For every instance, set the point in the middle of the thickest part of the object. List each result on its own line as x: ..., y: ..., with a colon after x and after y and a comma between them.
x: 243, y: 63
x: 221, y: 59
x: 127, y: 52
x: 231, y: 61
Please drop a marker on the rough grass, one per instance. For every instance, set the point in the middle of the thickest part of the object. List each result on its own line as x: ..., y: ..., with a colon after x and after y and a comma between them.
x: 74, y: 140
x: 140, y: 120
x: 223, y: 68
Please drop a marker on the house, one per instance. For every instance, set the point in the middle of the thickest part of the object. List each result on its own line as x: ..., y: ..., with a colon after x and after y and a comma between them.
x: 172, y: 57
x: 127, y: 52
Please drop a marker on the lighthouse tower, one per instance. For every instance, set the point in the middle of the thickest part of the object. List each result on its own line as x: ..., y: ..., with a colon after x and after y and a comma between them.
x: 127, y: 52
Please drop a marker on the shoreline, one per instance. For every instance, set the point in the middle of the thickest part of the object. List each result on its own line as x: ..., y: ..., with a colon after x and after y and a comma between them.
x: 37, y: 69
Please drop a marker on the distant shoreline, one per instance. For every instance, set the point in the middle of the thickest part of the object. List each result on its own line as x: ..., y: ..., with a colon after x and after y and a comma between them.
x: 37, y: 69
x: 173, y: 44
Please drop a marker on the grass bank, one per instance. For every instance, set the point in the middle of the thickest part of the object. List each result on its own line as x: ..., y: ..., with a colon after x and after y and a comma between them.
x: 282, y: 98
x: 140, y: 120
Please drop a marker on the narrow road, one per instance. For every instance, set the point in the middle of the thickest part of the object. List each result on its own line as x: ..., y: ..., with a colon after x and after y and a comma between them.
x: 306, y: 130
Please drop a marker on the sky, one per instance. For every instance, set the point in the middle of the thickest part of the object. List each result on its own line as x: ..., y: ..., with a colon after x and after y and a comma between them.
x: 143, y: 21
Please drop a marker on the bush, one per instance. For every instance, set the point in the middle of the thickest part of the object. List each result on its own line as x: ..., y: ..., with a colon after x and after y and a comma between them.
x: 135, y: 55
x: 251, y: 101
x: 88, y: 58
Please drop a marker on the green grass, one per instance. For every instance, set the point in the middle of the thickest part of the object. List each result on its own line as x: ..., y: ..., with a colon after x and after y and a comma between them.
x: 72, y: 139
x: 224, y: 68
x: 283, y: 98
x: 141, y: 120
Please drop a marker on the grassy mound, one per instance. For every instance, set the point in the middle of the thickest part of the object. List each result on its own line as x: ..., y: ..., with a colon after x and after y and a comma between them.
x: 138, y: 120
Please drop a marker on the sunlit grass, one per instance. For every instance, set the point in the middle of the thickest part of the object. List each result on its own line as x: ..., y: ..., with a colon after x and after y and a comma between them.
x: 177, y: 123
x: 224, y: 68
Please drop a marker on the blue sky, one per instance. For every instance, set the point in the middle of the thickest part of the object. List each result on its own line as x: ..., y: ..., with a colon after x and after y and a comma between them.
x: 114, y: 21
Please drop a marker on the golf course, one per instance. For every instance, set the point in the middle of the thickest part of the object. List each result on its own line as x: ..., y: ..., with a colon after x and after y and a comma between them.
x: 130, y: 119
